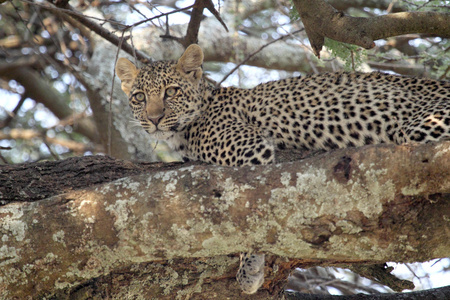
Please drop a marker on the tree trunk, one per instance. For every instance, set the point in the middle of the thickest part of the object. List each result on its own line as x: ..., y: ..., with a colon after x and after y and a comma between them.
x: 175, y: 231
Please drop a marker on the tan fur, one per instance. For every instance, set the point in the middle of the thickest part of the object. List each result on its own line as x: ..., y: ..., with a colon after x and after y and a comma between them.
x: 191, y: 62
x: 127, y: 72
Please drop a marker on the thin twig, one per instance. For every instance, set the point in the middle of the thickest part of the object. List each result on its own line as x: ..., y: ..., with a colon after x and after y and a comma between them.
x: 69, y: 12
x: 208, y: 4
x: 352, y: 55
x: 444, y: 75
x: 53, y: 154
x: 12, y: 114
x: 132, y: 46
x: 159, y: 16
x: 2, y: 158
x: 254, y: 53
x: 111, y: 97
x: 391, y: 5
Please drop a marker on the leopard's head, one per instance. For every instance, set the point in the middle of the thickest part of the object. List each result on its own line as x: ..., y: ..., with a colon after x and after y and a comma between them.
x: 164, y: 96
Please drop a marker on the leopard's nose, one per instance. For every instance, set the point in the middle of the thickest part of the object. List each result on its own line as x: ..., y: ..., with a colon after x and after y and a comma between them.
x: 156, y: 120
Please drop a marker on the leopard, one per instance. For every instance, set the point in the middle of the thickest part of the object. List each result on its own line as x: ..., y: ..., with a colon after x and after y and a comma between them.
x: 230, y: 126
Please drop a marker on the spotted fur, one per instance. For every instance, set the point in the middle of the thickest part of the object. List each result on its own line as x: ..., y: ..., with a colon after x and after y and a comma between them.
x: 251, y: 272
x: 234, y: 127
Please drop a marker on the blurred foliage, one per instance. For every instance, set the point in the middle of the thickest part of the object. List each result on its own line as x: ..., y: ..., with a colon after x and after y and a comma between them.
x: 39, y: 41
x: 437, y: 58
x: 426, y: 5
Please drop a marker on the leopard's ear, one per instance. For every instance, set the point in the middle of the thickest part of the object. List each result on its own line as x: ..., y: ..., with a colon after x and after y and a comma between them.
x: 190, y: 63
x: 127, y: 72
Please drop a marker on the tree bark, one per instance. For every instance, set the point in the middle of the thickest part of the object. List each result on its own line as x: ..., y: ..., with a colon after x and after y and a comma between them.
x: 172, y: 231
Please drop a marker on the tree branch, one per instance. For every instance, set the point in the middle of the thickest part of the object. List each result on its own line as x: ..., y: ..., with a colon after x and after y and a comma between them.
x: 67, y: 13
x: 37, y: 181
x: 380, y: 4
x: 322, y: 20
x: 361, y: 205
x: 38, y: 90
x: 193, y: 27
x: 28, y: 134
x: 191, y: 36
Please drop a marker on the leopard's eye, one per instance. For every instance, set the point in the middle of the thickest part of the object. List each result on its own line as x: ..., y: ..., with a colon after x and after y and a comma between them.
x: 170, y: 92
x: 139, y: 96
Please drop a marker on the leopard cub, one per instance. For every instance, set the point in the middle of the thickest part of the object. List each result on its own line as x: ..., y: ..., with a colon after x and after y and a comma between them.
x: 235, y: 127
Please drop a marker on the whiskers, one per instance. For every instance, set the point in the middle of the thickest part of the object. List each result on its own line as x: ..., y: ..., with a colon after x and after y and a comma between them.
x: 135, y: 123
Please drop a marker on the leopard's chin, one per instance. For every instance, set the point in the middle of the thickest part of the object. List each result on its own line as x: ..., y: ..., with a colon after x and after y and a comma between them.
x: 160, y: 135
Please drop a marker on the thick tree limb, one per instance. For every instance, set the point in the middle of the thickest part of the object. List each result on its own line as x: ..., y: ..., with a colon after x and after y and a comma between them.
x: 380, y: 4
x: 322, y: 20
x: 363, y: 205
x: 37, y: 181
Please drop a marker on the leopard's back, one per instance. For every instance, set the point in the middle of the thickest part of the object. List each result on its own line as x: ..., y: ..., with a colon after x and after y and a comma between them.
x: 338, y: 110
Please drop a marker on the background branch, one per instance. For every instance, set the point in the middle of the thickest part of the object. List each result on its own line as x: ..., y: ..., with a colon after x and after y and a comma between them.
x: 38, y: 90
x: 28, y: 134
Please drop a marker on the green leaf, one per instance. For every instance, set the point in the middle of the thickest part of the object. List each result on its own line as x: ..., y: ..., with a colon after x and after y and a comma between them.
x: 352, y: 55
